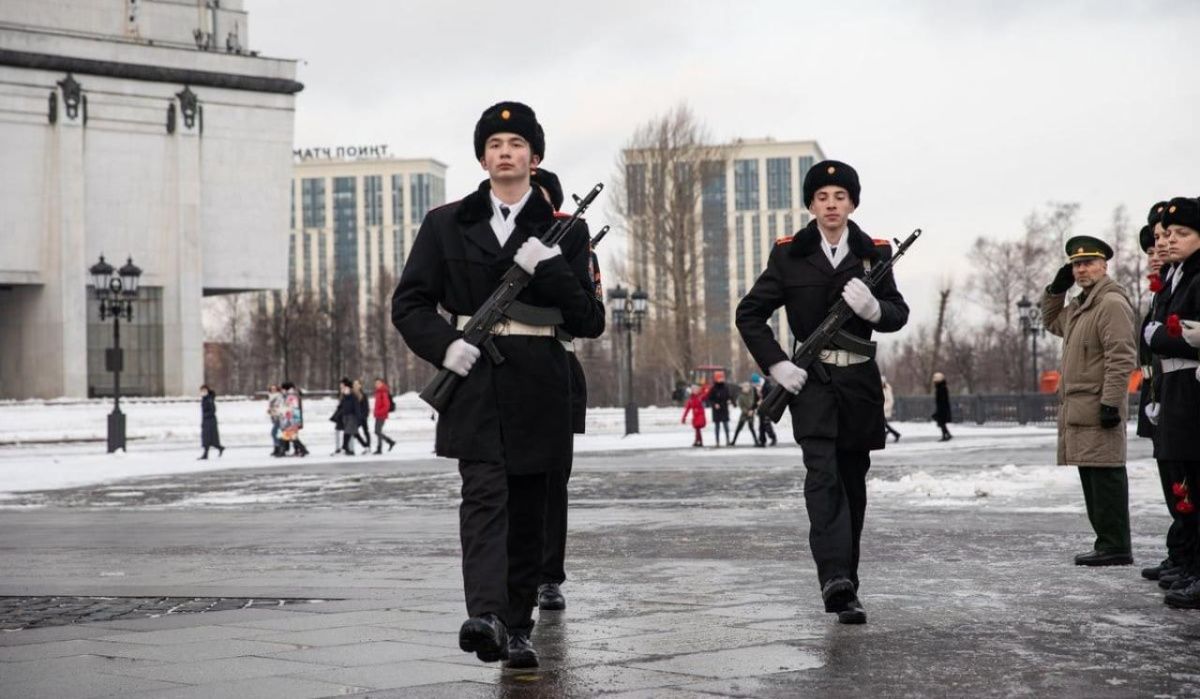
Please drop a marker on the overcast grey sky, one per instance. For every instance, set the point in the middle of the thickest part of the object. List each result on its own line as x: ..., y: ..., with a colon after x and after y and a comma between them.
x: 961, y: 117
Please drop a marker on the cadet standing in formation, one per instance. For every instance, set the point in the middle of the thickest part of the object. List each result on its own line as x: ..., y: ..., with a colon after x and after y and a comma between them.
x: 837, y: 416
x: 1099, y: 355
x: 509, y: 423
x: 1173, y: 338
x: 550, y: 596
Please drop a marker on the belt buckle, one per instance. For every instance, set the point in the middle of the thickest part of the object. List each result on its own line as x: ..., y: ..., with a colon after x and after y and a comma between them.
x: 501, y: 327
x: 842, y: 358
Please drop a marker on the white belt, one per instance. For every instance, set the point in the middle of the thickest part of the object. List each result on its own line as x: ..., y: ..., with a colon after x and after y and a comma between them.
x: 508, y: 326
x: 840, y: 357
x: 1170, y: 364
x: 568, y: 346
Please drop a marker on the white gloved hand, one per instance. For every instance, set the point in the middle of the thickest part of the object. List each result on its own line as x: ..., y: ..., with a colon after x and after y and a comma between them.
x: 1152, y: 410
x: 789, y: 376
x: 532, y: 252
x: 862, y: 301
x: 1151, y: 328
x: 460, y: 357
x: 1191, y: 332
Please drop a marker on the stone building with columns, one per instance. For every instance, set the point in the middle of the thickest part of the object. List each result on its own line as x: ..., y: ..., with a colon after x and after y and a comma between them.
x: 143, y: 129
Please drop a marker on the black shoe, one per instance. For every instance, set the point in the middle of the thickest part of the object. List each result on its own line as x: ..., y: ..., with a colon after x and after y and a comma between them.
x: 220, y: 451
x: 379, y: 449
x: 1187, y: 598
x: 1153, y: 572
x: 550, y: 598
x: 852, y: 613
x: 837, y: 593
x: 520, y: 651
x: 1183, y: 583
x: 1171, y: 575
x: 391, y: 444
x: 1104, y: 558
x: 485, y: 636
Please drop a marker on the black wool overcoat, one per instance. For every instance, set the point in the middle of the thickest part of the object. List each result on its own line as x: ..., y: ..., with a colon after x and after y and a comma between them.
x: 1177, y: 435
x: 799, y: 277
x: 517, y: 412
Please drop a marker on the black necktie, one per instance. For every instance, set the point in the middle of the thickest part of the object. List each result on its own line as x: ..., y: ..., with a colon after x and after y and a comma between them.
x: 504, y: 211
x: 833, y: 251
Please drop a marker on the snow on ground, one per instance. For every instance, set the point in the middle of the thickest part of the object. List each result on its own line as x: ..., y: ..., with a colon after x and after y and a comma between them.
x: 47, y: 445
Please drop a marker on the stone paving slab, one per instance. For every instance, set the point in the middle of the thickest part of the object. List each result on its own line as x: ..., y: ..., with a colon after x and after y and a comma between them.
x: 256, y: 688
x: 359, y: 654
x: 203, y: 671
x: 409, y: 673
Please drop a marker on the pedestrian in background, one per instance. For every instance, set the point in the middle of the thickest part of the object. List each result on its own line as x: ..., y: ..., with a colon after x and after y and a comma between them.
x: 889, y: 406
x: 747, y: 403
x: 274, y: 413
x: 346, y: 418
x: 209, y: 436
x: 364, y: 415
x: 941, y: 405
x: 718, y: 399
x: 292, y: 420
x: 765, y: 427
x: 383, y: 407
x: 695, y: 406
x: 1099, y: 354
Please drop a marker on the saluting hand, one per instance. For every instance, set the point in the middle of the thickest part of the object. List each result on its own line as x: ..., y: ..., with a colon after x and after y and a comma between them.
x: 532, y: 252
x: 860, y: 299
x: 1063, y: 280
x: 460, y: 357
x: 788, y: 375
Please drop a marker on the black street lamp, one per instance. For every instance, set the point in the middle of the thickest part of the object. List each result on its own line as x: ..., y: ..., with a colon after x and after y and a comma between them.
x: 116, y: 294
x: 1031, y: 325
x: 628, y: 310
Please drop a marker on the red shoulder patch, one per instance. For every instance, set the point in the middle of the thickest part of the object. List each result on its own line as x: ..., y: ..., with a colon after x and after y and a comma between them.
x: 882, y: 241
x: 561, y: 214
x: 784, y: 240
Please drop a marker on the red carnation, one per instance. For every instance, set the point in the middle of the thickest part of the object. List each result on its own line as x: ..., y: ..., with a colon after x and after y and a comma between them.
x: 1185, y: 507
x: 1180, y: 489
x: 1156, y: 283
x: 1174, y: 327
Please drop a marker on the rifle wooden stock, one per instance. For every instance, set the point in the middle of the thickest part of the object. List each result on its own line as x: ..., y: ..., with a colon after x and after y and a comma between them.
x: 777, y: 399
x: 438, y: 392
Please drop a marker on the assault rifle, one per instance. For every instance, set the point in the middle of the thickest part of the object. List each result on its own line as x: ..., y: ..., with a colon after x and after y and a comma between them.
x: 478, y: 331
x: 777, y: 399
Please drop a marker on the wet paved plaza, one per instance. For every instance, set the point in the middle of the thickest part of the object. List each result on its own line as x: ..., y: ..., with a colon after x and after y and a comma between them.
x: 689, y: 577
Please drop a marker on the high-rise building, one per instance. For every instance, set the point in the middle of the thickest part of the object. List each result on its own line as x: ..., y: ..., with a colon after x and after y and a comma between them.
x: 750, y: 197
x: 140, y: 128
x: 354, y: 215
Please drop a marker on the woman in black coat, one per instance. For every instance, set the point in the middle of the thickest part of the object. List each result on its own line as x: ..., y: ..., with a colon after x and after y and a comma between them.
x: 209, y: 436
x: 719, y: 398
x: 941, y: 397
x: 346, y: 417
x: 364, y: 414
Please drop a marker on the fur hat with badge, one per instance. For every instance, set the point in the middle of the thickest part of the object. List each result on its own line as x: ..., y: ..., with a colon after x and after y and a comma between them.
x: 1182, y: 211
x: 510, y: 117
x: 827, y: 173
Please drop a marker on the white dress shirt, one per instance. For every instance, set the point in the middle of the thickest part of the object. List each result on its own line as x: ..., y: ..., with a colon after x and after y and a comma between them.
x: 842, y: 248
x: 503, y: 226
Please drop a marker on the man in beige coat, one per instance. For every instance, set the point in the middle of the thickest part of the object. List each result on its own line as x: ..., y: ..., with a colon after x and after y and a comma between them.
x: 1099, y: 354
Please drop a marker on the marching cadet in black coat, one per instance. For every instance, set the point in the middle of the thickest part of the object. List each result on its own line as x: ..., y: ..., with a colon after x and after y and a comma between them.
x: 509, y: 423
x: 837, y: 414
x: 1177, y: 443
x: 550, y: 596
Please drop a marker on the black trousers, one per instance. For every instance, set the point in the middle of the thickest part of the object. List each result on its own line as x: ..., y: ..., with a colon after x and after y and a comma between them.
x: 1106, y: 494
x: 555, y: 547
x: 835, y: 494
x: 501, y: 524
x: 743, y: 420
x: 765, y: 429
x: 1183, y: 537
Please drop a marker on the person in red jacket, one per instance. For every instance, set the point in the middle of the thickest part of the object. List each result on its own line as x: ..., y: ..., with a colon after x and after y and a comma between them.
x: 695, y: 405
x: 383, y: 407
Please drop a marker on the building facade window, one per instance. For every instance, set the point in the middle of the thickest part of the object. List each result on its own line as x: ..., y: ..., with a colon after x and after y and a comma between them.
x: 713, y: 219
x: 427, y: 191
x: 745, y: 185
x: 398, y: 201
x: 306, y: 253
x: 635, y: 186
x: 141, y: 343
x: 292, y: 207
x: 312, y: 197
x: 398, y: 249
x: 323, y: 267
x: 779, y: 183
x: 740, y: 257
x: 787, y: 224
x: 373, y: 196
x: 804, y: 163
x: 772, y: 231
x: 345, y: 229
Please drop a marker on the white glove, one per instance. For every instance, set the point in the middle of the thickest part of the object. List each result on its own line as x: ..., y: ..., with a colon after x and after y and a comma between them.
x: 1152, y: 411
x: 460, y: 357
x: 1191, y: 332
x: 1151, y: 328
x: 789, y: 376
x: 862, y: 301
x: 532, y: 252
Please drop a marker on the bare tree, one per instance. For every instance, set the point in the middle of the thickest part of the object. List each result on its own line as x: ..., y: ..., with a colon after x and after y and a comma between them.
x: 659, y: 180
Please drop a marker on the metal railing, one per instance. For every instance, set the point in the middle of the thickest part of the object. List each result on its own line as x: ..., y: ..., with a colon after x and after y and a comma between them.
x: 994, y: 407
